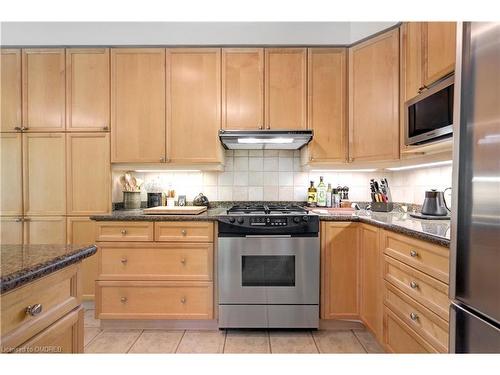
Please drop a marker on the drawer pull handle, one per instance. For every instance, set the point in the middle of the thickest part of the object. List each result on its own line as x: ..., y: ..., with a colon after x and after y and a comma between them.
x: 123, y: 299
x: 34, y: 310
x: 414, y: 285
x: 413, y: 253
x: 184, y: 232
x: 413, y: 316
x: 123, y: 232
x: 183, y: 300
x: 183, y: 261
x: 124, y: 260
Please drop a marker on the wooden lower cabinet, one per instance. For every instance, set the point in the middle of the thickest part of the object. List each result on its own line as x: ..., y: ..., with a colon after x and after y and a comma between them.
x: 124, y: 231
x: 339, y: 270
x: 45, y: 230
x: 11, y: 230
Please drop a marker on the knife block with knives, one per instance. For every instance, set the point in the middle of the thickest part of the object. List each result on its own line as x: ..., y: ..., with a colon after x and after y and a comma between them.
x: 381, y: 196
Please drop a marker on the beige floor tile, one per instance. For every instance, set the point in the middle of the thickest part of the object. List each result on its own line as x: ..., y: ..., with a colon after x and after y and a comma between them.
x: 202, y: 342
x: 154, y: 341
x: 89, y: 333
x: 89, y: 320
x: 292, y: 342
x: 247, y: 341
x: 337, y: 341
x: 88, y: 305
x: 113, y: 341
x: 368, y: 341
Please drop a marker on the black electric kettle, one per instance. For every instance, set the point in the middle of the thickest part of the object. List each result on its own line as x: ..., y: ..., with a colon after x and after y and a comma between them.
x: 435, y: 204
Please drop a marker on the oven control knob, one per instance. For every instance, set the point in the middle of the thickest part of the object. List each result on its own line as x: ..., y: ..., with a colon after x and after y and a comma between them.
x: 240, y: 220
x: 305, y: 218
x: 296, y: 219
x: 231, y: 220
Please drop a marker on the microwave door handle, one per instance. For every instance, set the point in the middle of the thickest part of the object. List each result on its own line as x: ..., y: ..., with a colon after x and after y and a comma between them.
x: 268, y: 236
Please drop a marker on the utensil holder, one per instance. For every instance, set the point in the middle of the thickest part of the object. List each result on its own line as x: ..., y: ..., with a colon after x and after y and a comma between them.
x: 382, y: 206
x: 131, y: 200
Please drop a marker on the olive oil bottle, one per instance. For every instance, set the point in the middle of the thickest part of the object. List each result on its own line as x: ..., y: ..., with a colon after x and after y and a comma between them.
x: 321, y: 193
x: 311, y: 195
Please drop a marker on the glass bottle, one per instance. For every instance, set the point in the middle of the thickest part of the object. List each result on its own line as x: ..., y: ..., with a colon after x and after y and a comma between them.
x: 329, y: 196
x: 311, y: 195
x: 321, y: 193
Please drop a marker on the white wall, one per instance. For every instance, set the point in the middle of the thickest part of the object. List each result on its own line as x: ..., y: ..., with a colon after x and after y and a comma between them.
x: 273, y: 175
x: 185, y: 33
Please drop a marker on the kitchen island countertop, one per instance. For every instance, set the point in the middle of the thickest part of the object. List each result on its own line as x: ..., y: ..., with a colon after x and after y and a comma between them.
x: 21, y: 264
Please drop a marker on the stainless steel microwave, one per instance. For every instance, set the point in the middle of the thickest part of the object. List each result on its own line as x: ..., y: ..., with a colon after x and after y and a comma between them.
x: 429, y: 116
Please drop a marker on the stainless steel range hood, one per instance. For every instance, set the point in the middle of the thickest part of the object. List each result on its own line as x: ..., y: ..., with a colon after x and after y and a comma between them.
x: 265, y: 139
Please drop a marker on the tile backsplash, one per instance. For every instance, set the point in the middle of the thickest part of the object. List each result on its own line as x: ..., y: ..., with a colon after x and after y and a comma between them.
x: 277, y: 175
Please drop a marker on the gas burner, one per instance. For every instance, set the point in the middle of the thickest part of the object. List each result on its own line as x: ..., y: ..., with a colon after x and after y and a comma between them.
x: 263, y: 209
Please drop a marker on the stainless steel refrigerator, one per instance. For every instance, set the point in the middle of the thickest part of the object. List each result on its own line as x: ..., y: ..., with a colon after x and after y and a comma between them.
x: 475, y: 242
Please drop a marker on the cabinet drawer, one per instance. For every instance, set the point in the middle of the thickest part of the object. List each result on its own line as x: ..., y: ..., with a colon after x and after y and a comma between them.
x: 168, y: 261
x: 154, y: 300
x: 431, y: 327
x: 430, y: 292
x: 64, y: 336
x: 184, y: 231
x: 400, y: 338
x: 58, y: 294
x: 428, y: 258
x: 124, y: 231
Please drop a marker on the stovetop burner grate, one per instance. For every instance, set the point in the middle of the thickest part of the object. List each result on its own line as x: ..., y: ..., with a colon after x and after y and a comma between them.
x: 263, y: 209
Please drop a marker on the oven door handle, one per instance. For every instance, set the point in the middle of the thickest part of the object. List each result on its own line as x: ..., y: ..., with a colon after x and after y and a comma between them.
x: 268, y: 236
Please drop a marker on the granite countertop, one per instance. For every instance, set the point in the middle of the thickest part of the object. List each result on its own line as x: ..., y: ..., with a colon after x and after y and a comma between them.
x: 21, y: 264
x: 434, y: 231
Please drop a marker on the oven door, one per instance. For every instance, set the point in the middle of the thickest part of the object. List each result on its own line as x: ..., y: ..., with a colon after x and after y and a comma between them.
x: 268, y: 270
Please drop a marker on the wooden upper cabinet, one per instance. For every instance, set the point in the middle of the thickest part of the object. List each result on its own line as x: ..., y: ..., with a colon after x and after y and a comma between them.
x: 11, y: 182
x: 242, y: 88
x: 87, y: 89
x: 374, y: 99
x: 138, y: 105
x: 285, y: 88
x: 43, y: 89
x: 44, y: 170
x: 412, y: 59
x: 327, y: 70
x: 339, y: 270
x: 88, y: 188
x: 10, y: 91
x: 439, y: 46
x: 193, y: 105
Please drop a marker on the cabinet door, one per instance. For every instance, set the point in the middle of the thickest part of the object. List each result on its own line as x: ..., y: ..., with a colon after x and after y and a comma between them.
x: 339, y: 270
x: 81, y: 231
x: 88, y: 173
x: 193, y: 105
x: 45, y: 230
x: 412, y: 59
x: 439, y: 46
x: 87, y: 89
x: 44, y: 89
x: 11, y: 231
x: 374, y: 99
x: 285, y: 92
x: 11, y: 183
x: 242, y: 88
x: 44, y: 173
x: 138, y: 105
x: 371, y: 301
x: 327, y: 104
x: 10, y: 93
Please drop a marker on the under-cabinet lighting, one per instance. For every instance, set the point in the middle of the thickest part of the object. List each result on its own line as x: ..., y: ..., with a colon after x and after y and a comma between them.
x: 165, y: 170
x: 416, y: 166
x: 277, y: 140
x: 343, y: 170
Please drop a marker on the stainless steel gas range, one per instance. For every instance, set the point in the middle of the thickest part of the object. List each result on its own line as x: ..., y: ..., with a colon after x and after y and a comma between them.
x: 268, y: 267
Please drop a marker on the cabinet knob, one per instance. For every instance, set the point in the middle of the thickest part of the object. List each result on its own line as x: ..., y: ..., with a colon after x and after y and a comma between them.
x: 414, y: 285
x: 124, y: 260
x: 34, y: 310
x: 123, y: 299
x: 351, y: 160
x: 105, y: 128
x: 162, y: 159
x: 183, y: 300
x: 19, y: 220
x: 184, y: 232
x: 413, y: 253
x: 18, y: 128
x: 261, y: 127
x: 268, y: 127
x: 413, y: 316
x: 24, y: 128
x: 183, y: 261
x: 420, y: 89
x: 123, y: 232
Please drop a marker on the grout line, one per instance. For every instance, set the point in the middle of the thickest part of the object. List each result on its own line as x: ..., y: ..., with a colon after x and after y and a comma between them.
x: 315, y: 343
x: 269, y: 340
x: 360, y: 342
x: 96, y: 336
x: 179, y: 343
x: 137, y: 339
x: 224, y: 344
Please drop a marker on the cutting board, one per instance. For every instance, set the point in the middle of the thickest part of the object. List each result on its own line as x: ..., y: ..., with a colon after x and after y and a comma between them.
x: 177, y: 210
